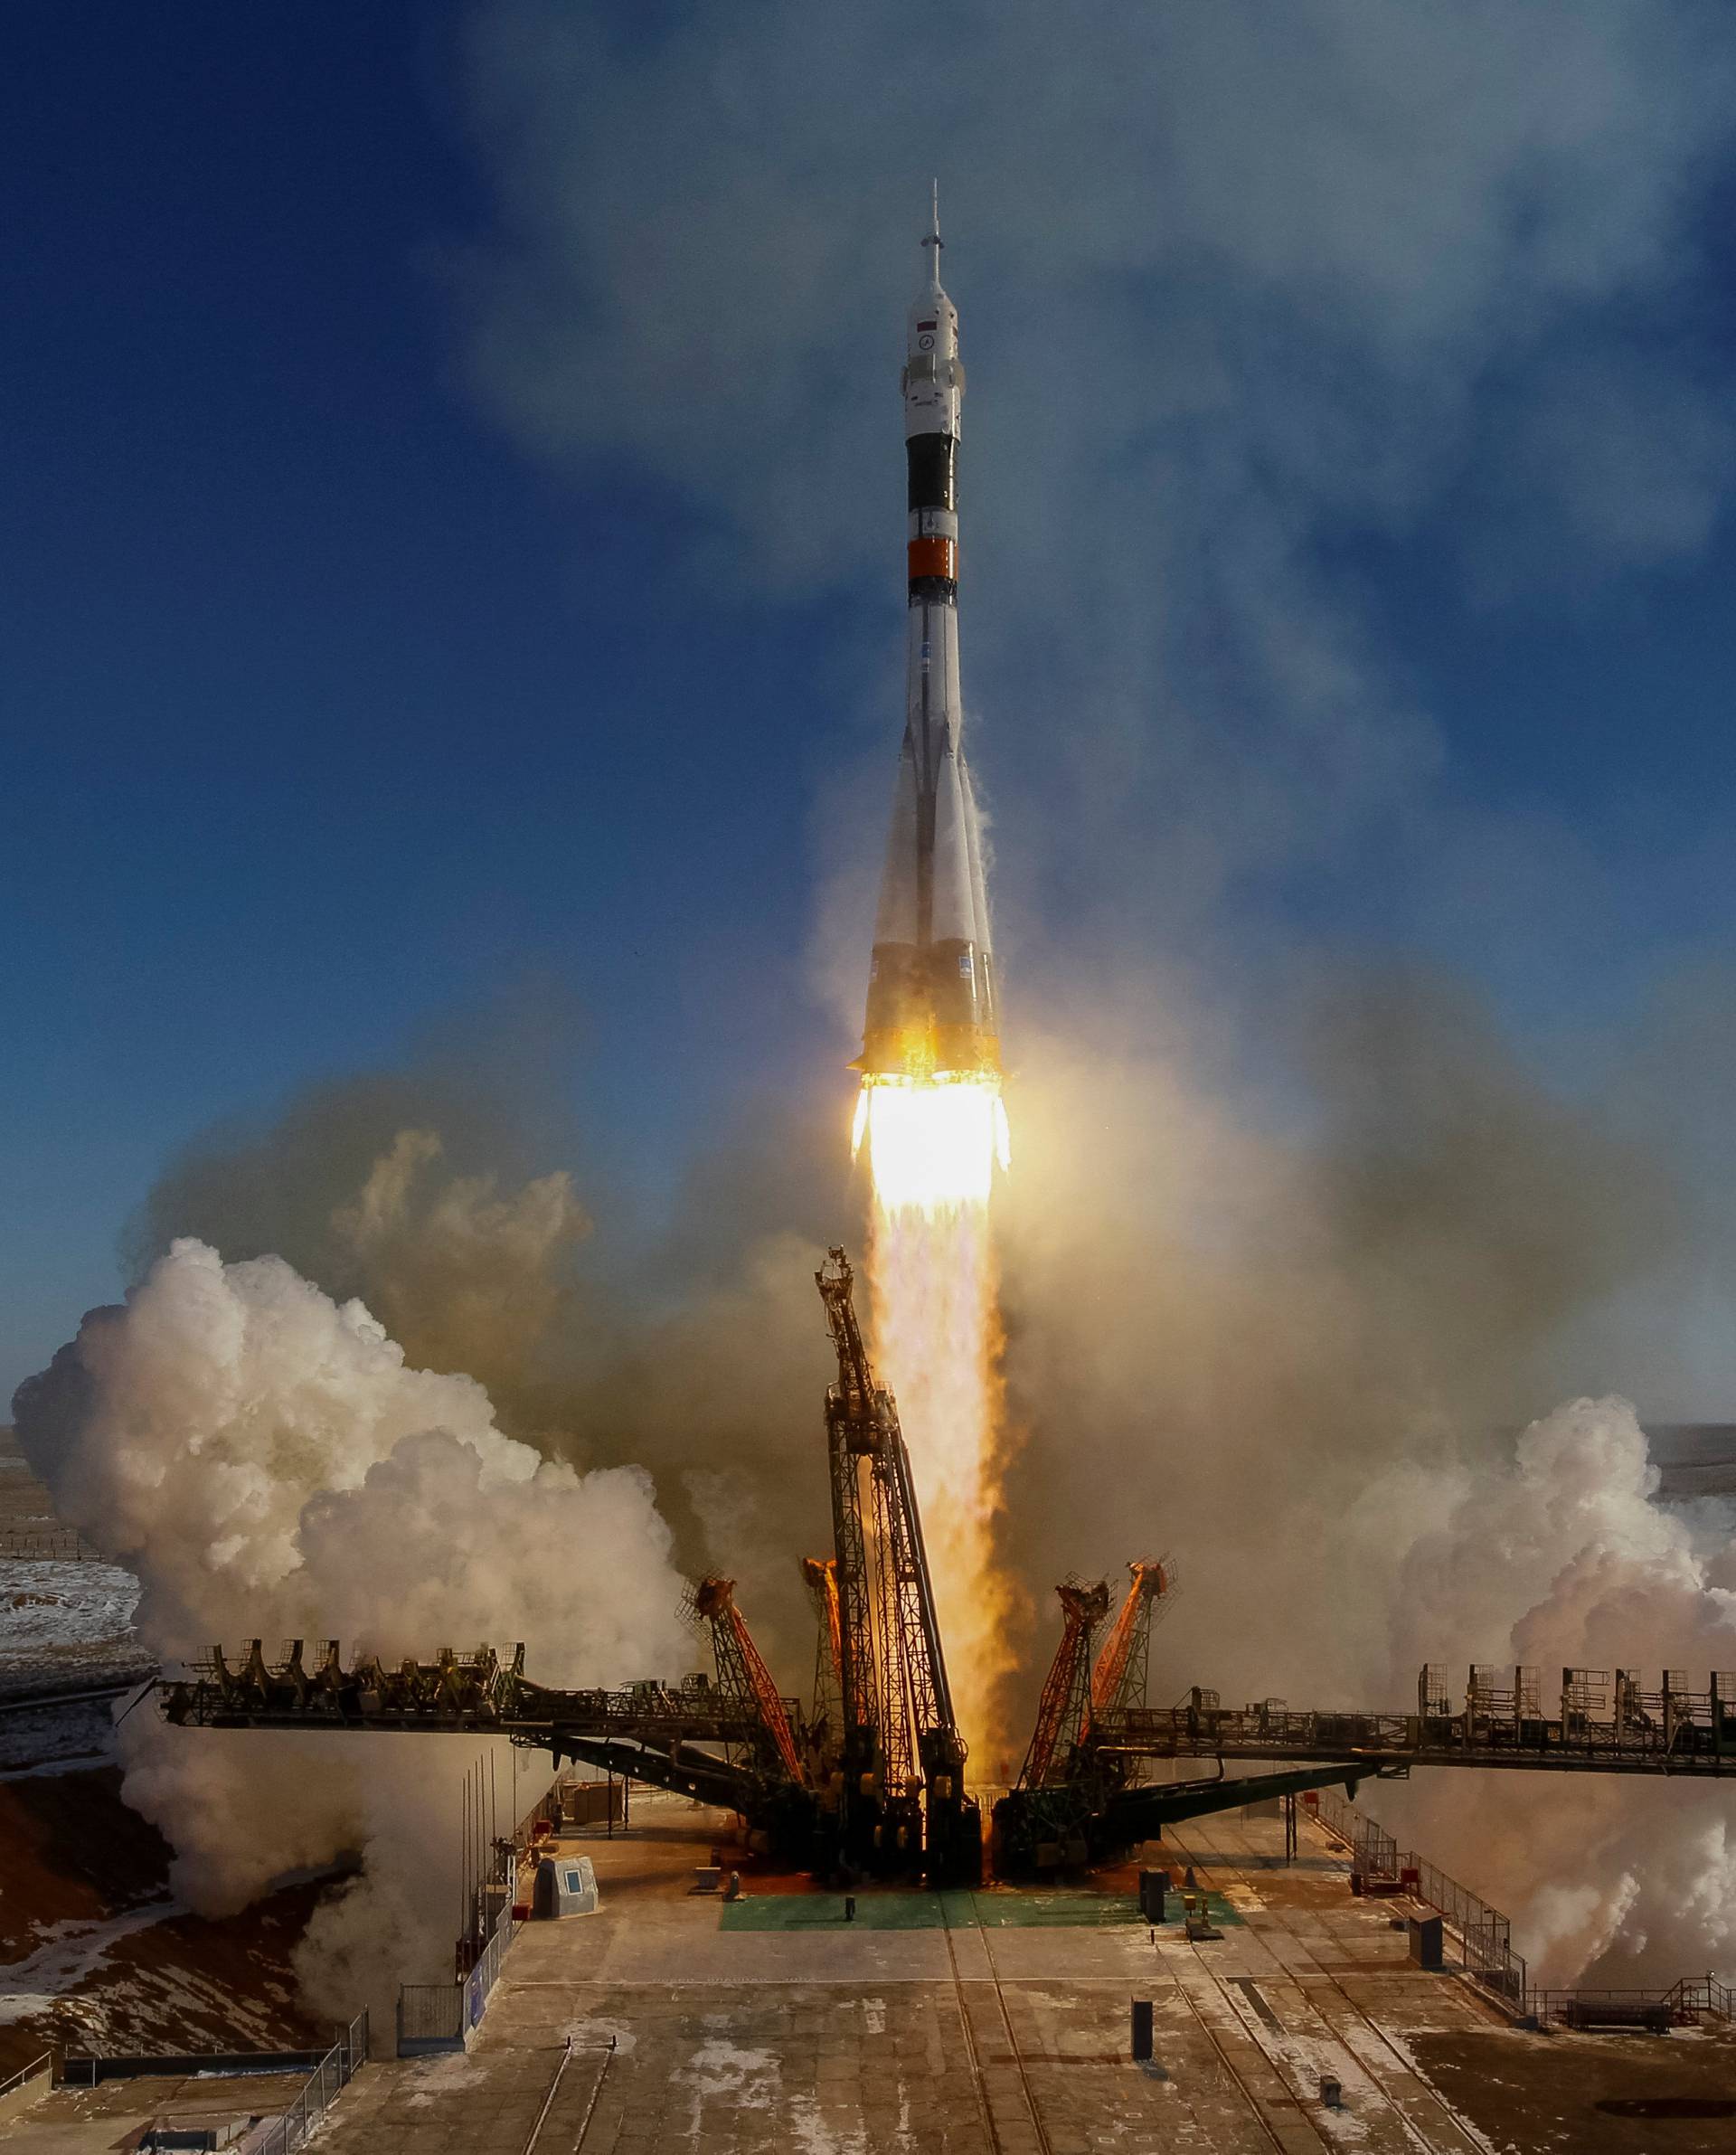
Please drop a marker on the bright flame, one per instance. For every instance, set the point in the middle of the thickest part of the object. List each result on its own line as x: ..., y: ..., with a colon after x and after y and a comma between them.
x: 933, y: 1144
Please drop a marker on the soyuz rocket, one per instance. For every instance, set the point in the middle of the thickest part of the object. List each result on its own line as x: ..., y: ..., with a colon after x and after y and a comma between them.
x: 931, y: 987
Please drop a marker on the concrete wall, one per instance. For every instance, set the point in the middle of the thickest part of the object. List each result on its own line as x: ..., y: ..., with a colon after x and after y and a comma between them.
x: 27, y: 2088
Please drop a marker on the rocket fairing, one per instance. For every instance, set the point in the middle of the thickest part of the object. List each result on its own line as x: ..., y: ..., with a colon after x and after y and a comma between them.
x: 931, y: 988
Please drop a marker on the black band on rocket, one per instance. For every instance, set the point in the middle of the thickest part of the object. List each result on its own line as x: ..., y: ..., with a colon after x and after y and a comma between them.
x: 933, y: 463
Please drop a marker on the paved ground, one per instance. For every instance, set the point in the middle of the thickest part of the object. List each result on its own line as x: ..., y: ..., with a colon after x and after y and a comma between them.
x: 959, y: 2027
x: 987, y: 2024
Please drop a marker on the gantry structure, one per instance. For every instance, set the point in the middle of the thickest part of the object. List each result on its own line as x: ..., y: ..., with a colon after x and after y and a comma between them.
x: 871, y: 1781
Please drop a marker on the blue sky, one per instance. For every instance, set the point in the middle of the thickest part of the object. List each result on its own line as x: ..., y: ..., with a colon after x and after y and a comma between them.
x: 454, y: 529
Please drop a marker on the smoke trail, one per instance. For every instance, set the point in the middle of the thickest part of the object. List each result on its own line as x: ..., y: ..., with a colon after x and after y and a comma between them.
x: 263, y: 1458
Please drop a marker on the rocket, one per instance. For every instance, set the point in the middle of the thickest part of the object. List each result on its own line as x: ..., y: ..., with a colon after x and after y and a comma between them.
x: 931, y: 988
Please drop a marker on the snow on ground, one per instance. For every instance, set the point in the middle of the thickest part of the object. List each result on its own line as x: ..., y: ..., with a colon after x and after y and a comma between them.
x: 55, y: 1739
x: 52, y: 1610
x: 68, y: 1952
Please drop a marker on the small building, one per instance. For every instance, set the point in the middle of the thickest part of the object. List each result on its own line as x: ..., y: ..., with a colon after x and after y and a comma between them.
x: 565, y: 1885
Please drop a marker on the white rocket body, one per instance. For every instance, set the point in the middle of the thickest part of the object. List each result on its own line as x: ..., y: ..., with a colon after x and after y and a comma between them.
x: 932, y: 990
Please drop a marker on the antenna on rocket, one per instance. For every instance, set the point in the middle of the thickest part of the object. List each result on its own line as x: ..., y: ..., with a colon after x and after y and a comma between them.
x: 932, y: 237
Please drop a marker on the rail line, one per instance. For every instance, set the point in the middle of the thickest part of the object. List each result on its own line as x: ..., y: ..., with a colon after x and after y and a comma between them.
x: 1463, y: 2138
x: 978, y: 2075
x: 1237, y: 2080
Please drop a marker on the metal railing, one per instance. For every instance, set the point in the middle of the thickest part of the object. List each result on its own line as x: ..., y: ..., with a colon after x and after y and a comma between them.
x: 1673, y: 1729
x: 1690, y: 1999
x: 483, y: 1977
x: 17, y: 2082
x: 1705, y: 1994
x: 334, y: 2072
x: 1485, y: 1934
x: 440, y: 2016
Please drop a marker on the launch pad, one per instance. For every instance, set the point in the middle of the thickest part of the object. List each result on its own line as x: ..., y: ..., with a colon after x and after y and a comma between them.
x: 868, y: 1780
x: 999, y: 2022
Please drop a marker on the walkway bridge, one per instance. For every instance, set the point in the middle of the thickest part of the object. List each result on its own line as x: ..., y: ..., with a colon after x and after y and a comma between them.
x: 1604, y: 1722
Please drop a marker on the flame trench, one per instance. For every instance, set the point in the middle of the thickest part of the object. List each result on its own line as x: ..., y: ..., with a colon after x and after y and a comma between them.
x: 933, y: 1147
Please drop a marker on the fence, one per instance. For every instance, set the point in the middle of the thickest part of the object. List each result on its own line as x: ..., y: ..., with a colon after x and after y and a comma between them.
x: 332, y: 2072
x: 481, y: 1978
x: 430, y: 2017
x: 1486, y: 1934
x: 45, y: 1545
x: 1691, y: 1998
x: 1705, y: 1994
x: 440, y: 2016
x: 83, y: 2071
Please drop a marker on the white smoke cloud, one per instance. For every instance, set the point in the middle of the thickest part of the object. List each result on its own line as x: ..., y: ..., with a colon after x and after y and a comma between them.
x: 1562, y: 1558
x: 265, y: 1461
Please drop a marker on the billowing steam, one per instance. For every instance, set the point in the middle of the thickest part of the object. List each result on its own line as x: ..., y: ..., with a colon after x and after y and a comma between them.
x: 1279, y: 1345
x: 1286, y: 1355
x: 267, y: 1462
x: 699, y: 1356
x: 1563, y: 1558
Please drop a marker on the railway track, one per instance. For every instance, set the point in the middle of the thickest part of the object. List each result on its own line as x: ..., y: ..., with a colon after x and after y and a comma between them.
x: 984, y: 2095
x: 1428, y: 2122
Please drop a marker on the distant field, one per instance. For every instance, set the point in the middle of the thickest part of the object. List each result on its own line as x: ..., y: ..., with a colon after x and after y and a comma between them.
x: 1696, y: 1459
x: 23, y: 1501
x: 66, y: 1617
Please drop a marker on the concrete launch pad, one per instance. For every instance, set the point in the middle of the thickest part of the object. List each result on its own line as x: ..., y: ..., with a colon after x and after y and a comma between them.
x: 966, y: 2032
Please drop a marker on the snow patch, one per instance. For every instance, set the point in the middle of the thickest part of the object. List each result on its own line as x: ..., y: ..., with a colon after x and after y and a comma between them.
x: 52, y: 1604
x: 68, y: 1952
